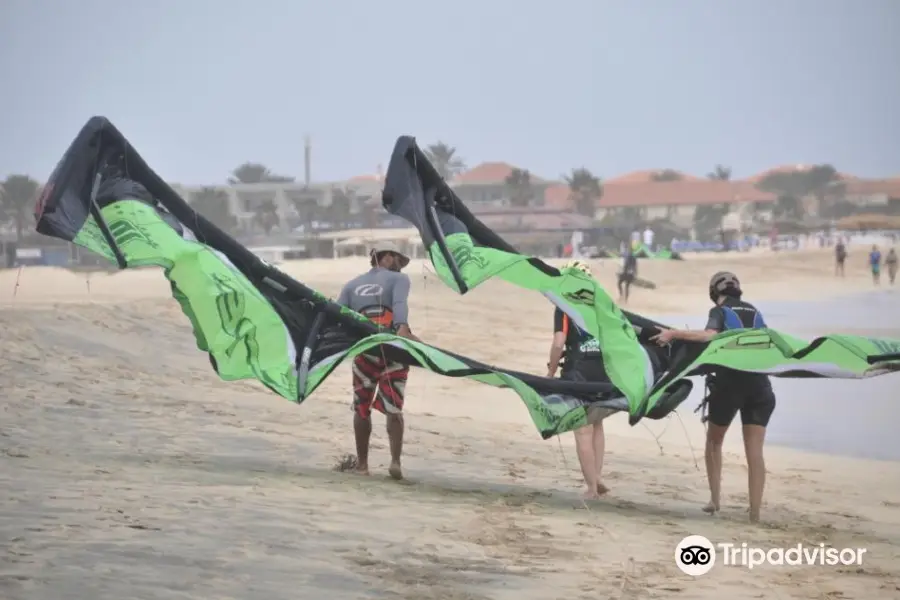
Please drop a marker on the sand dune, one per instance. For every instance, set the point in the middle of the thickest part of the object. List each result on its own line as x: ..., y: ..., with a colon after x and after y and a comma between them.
x: 130, y: 471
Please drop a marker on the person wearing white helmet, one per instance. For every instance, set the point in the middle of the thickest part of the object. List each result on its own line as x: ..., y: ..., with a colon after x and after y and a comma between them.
x: 583, y: 362
x: 382, y: 295
x: 731, y: 392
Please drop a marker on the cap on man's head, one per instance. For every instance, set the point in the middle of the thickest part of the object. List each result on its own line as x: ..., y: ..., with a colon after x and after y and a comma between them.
x: 388, y: 246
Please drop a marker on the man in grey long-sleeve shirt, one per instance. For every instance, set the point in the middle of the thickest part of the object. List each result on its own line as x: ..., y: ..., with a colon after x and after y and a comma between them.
x: 382, y: 295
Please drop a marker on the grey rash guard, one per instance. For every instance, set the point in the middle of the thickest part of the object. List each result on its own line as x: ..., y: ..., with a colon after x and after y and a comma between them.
x: 380, y: 294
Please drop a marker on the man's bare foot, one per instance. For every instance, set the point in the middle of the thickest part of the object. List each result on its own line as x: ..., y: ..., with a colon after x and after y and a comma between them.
x: 601, y: 489
x: 395, y: 471
x: 711, y: 508
x: 591, y: 495
x: 754, y: 516
x: 361, y: 469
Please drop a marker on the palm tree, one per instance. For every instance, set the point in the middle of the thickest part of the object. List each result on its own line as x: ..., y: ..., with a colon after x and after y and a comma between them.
x: 17, y: 194
x: 445, y: 161
x: 341, y: 205
x: 720, y: 173
x: 827, y: 186
x: 708, y: 218
x: 213, y: 204
x: 788, y: 207
x: 667, y: 175
x: 251, y: 172
x: 518, y: 185
x: 585, y: 190
x: 266, y: 216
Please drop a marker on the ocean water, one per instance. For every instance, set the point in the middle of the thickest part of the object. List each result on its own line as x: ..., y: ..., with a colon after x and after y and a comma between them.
x: 848, y: 417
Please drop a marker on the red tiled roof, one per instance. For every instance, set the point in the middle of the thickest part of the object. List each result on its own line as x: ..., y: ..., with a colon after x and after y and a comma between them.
x: 557, y: 196
x: 665, y: 193
x: 544, y: 220
x: 789, y: 169
x: 489, y: 172
x: 647, y: 177
x: 668, y: 193
x: 868, y: 187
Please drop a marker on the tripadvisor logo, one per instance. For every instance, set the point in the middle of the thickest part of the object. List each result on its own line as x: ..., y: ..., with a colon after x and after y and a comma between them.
x: 695, y: 555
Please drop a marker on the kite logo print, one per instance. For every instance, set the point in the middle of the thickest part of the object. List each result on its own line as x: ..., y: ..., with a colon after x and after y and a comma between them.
x: 368, y: 289
x: 885, y: 346
x: 231, y: 305
x: 125, y: 232
x: 582, y: 296
x: 464, y: 255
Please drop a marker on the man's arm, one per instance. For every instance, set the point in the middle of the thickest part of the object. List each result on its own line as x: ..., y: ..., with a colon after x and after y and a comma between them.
x: 693, y: 335
x: 560, y: 332
x: 714, y: 325
x: 400, y: 307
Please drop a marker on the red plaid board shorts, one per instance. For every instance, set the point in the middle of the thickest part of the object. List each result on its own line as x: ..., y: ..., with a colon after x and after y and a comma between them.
x: 378, y: 384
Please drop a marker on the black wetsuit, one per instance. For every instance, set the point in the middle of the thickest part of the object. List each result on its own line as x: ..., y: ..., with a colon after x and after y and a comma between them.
x: 732, y: 391
x: 582, y: 359
x: 626, y: 277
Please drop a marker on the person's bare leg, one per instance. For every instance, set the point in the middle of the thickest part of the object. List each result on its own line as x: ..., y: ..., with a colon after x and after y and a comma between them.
x: 599, y: 444
x: 715, y: 438
x: 584, y: 448
x: 754, y: 439
x: 362, y: 430
x: 395, y: 436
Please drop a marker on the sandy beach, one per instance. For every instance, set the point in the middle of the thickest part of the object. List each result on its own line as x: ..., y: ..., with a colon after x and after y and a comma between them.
x: 129, y: 470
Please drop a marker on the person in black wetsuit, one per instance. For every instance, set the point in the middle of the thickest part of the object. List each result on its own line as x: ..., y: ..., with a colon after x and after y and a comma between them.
x: 840, y: 257
x: 627, y: 275
x: 732, y: 391
x: 583, y: 362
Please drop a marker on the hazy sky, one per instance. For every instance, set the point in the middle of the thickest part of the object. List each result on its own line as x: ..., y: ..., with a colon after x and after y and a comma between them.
x: 201, y: 86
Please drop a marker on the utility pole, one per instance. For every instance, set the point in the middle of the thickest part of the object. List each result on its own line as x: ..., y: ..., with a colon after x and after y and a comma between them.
x: 307, y: 160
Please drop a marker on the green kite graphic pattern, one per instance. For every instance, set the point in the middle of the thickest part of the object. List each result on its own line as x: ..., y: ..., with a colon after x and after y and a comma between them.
x: 577, y: 293
x: 772, y: 352
x: 232, y: 321
x: 240, y: 329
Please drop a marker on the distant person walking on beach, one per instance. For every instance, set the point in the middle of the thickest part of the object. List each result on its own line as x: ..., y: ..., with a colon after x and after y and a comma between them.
x: 382, y: 295
x: 875, y: 264
x: 731, y: 392
x: 891, y: 262
x: 840, y: 255
x: 627, y: 275
x: 648, y: 236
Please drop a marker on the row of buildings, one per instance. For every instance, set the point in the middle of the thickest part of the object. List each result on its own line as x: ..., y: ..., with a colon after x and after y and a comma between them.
x: 485, y: 191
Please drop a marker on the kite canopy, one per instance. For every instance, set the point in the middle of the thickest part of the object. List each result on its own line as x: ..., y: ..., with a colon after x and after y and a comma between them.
x: 465, y: 253
x: 253, y: 320
x: 256, y: 322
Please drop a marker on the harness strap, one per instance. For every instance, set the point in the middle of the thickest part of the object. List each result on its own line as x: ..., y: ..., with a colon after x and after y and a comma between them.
x: 703, y: 407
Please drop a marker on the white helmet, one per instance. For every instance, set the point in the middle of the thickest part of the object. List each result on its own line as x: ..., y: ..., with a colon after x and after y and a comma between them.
x: 578, y: 264
x: 724, y: 283
x: 388, y: 246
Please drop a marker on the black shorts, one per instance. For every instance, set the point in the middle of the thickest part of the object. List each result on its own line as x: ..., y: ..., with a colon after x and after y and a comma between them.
x: 586, y: 368
x: 755, y: 402
x: 626, y: 278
